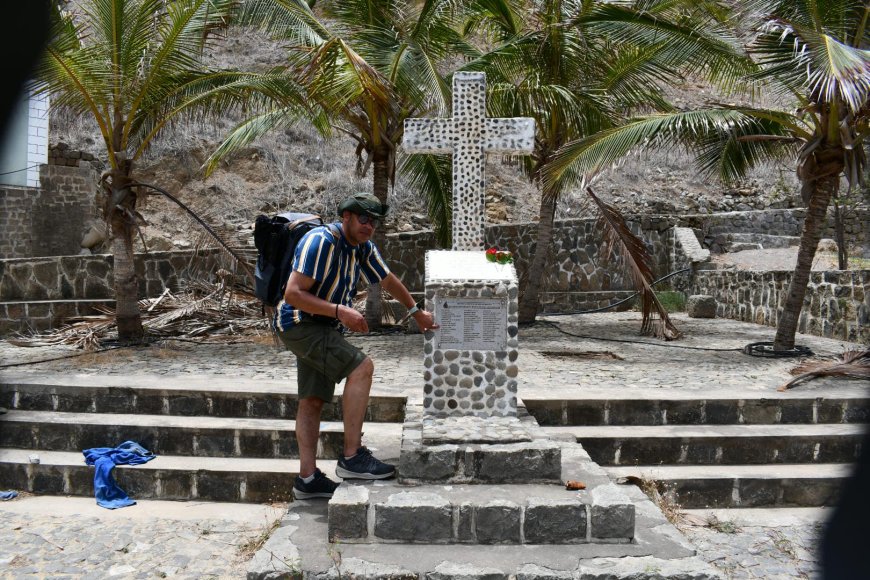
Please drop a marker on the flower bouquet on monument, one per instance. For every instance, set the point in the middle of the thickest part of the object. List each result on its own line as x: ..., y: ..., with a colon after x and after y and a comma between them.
x: 499, y: 256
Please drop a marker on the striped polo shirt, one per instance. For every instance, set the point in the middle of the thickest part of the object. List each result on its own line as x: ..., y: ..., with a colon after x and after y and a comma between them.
x: 335, y: 266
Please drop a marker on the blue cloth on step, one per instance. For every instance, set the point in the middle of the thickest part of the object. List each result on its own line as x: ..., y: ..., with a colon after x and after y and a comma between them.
x: 4, y: 495
x: 104, y: 460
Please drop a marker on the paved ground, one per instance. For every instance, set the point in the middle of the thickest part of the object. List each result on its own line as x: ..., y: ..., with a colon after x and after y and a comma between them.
x: 71, y: 537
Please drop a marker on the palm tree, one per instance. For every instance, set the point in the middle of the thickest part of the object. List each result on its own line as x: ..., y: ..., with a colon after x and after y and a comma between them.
x: 579, y: 67
x: 810, y: 52
x: 134, y: 66
x: 364, y: 68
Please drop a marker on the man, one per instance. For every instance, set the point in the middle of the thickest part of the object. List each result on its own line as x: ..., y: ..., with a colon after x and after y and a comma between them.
x: 317, y: 302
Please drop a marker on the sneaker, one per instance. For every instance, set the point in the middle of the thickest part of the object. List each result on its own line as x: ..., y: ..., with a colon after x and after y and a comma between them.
x: 320, y: 486
x: 364, y: 465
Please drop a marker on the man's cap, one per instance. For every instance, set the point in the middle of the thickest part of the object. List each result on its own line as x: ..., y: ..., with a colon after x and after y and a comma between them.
x: 364, y: 203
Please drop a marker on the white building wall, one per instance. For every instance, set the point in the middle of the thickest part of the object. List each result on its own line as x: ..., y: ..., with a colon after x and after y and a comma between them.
x: 37, y: 137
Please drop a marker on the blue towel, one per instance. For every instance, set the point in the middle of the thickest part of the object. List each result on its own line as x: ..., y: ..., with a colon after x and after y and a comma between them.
x: 107, y: 492
x: 4, y: 495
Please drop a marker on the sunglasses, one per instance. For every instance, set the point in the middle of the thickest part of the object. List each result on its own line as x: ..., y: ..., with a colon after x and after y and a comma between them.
x: 365, y: 219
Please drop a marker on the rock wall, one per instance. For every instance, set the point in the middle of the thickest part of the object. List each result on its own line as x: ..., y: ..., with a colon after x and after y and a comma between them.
x: 50, y: 220
x: 577, y: 264
x: 90, y: 277
x: 837, y: 303
x: 713, y: 229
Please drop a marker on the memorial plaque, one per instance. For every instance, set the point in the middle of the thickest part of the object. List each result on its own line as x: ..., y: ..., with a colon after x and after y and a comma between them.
x: 471, y: 324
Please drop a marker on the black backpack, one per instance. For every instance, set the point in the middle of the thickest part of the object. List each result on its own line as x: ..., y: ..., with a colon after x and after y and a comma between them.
x: 276, y: 238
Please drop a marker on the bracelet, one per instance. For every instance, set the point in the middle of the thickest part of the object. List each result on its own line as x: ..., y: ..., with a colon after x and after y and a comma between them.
x: 336, y: 311
x: 412, y: 310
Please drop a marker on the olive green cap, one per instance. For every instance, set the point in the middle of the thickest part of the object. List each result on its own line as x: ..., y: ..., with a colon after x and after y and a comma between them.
x: 364, y: 203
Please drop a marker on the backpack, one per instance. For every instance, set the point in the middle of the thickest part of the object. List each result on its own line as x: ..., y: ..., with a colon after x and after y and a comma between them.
x: 276, y: 238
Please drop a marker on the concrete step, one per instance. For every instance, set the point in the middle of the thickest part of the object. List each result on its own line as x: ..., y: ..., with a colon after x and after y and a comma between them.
x: 658, y: 550
x: 718, y: 445
x: 765, y: 240
x: 216, y: 396
x: 744, y: 486
x: 166, y: 477
x: 164, y: 434
x: 741, y: 247
x: 374, y: 512
x: 32, y: 315
x: 656, y: 408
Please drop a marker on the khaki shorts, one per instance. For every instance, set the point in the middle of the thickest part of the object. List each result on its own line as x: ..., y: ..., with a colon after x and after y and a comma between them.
x: 323, y: 357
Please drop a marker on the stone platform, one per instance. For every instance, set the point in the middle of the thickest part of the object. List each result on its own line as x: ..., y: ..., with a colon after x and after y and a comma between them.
x: 474, y: 449
x: 297, y: 550
x: 474, y: 514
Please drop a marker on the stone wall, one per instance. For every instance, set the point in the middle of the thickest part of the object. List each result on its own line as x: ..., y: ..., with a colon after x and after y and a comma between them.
x: 578, y: 275
x: 714, y: 228
x: 90, y: 277
x: 49, y: 220
x: 837, y: 303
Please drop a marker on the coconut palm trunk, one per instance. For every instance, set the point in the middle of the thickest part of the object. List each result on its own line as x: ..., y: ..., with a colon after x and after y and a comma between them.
x: 830, y: 166
x: 119, y: 209
x: 530, y: 299
x: 380, y: 187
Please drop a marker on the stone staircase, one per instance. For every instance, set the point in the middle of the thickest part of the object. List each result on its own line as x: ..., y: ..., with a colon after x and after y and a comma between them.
x: 788, y: 449
x: 216, y: 440
x: 226, y: 440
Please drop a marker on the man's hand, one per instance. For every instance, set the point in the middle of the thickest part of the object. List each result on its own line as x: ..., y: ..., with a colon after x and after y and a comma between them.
x: 425, y: 320
x: 352, y: 319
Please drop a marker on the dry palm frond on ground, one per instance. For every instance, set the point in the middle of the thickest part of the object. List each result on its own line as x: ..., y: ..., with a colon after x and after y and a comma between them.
x: 214, y: 309
x: 852, y: 364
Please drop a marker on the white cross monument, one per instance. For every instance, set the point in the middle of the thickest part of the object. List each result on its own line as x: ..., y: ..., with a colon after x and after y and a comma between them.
x: 470, y: 364
x: 469, y: 135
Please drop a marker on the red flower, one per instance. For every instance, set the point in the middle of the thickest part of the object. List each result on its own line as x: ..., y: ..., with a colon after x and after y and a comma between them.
x: 491, y: 255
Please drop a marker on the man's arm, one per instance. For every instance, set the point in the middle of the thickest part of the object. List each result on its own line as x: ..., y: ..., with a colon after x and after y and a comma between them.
x: 297, y: 293
x: 392, y: 284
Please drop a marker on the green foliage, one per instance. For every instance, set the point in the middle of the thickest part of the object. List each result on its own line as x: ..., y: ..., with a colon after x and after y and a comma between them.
x: 671, y: 300
x: 135, y: 65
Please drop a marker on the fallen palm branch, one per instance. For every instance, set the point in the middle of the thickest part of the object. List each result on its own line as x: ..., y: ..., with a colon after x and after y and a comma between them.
x: 853, y: 364
x: 217, y: 310
x: 632, y: 249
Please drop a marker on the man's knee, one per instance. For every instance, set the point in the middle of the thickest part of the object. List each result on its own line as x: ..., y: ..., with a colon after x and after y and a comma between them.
x: 311, y: 405
x: 365, y: 370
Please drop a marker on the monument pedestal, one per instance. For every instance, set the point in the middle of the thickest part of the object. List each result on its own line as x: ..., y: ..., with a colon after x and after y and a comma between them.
x: 470, y: 364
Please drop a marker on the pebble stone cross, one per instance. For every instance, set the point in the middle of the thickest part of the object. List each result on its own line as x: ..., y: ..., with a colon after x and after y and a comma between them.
x: 469, y: 135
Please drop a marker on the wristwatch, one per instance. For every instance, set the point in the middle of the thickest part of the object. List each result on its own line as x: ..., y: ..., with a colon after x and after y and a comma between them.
x: 412, y: 310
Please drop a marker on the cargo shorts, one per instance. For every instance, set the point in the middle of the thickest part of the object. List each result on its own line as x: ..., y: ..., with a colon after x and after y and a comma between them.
x: 324, y: 357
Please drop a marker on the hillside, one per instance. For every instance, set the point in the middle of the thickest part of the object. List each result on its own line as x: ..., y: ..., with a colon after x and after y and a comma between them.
x: 295, y: 168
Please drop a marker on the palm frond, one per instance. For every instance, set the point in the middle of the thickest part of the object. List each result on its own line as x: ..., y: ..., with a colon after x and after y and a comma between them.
x: 431, y: 175
x: 292, y: 20
x: 695, y: 46
x: 853, y: 364
x: 818, y: 63
x: 250, y: 129
x: 717, y: 131
x: 638, y: 264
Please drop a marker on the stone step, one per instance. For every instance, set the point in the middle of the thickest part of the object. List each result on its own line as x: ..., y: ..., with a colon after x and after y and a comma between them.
x: 718, y: 445
x: 658, y: 550
x: 654, y: 408
x: 515, y: 449
x: 374, y: 512
x: 744, y: 486
x: 765, y: 240
x: 166, y: 477
x: 159, y: 395
x: 165, y: 434
x: 37, y: 315
x: 741, y: 247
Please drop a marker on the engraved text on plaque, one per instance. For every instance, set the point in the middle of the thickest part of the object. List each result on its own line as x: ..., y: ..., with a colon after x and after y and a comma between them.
x: 471, y: 323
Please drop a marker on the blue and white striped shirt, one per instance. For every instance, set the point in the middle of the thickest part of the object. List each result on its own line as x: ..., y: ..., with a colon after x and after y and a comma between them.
x: 335, y: 266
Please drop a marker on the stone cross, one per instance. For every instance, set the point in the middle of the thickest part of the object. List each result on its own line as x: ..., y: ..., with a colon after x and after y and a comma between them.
x: 469, y: 135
